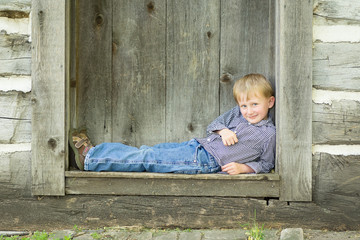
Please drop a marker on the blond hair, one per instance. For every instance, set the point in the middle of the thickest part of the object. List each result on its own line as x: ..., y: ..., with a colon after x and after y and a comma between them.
x: 254, y: 85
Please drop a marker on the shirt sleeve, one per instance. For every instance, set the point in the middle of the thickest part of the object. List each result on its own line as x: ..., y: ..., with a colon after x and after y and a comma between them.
x: 266, y: 161
x: 223, y: 120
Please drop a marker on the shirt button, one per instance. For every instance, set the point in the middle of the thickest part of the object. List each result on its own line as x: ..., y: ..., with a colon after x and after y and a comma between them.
x: 234, y: 131
x: 208, y: 139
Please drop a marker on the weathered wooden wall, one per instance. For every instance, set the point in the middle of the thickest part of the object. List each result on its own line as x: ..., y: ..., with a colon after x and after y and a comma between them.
x: 15, y: 107
x: 336, y: 106
x: 169, y: 211
x: 162, y: 71
x: 336, y: 150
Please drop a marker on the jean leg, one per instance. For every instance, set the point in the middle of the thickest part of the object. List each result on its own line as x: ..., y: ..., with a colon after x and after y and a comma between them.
x: 114, y: 157
x: 167, y: 157
x: 207, y: 162
x: 173, y: 157
x: 162, y: 158
x: 169, y: 145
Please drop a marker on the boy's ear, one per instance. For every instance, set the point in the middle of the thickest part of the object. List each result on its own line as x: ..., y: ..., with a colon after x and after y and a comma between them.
x: 271, y: 101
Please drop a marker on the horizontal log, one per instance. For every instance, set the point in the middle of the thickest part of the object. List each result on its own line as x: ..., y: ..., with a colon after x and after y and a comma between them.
x: 15, y: 54
x: 148, y: 175
x: 336, y: 66
x: 15, y: 117
x: 15, y: 174
x: 14, y: 46
x: 337, y: 10
x: 15, y: 67
x: 172, y: 184
x: 336, y: 183
x: 336, y: 123
x: 168, y: 211
x: 15, y: 5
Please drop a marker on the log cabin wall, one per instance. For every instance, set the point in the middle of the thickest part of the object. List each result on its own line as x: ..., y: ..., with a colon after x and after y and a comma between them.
x: 15, y: 96
x: 336, y: 144
x: 336, y: 105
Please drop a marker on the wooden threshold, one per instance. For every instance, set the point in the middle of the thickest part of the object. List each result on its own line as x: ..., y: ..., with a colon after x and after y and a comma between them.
x: 144, y: 183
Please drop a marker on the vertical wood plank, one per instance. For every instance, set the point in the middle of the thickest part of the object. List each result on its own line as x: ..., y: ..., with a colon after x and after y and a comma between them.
x: 72, y: 65
x: 192, y: 86
x: 48, y: 97
x: 294, y: 96
x: 139, y: 40
x: 68, y: 52
x: 93, y: 64
x: 247, y: 43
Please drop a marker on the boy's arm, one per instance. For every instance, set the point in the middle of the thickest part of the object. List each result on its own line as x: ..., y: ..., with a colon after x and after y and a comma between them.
x: 264, y: 165
x: 267, y: 158
x: 234, y: 168
x: 223, y: 120
x: 228, y: 137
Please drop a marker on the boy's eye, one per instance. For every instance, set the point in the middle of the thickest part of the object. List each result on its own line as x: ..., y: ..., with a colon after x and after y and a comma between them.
x: 255, y: 104
x: 243, y: 106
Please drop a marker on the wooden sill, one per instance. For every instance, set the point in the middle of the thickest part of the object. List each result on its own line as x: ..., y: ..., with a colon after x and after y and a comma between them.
x: 121, y: 183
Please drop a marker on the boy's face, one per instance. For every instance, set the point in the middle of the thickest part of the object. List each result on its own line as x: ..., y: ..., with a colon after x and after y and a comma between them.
x: 255, y: 108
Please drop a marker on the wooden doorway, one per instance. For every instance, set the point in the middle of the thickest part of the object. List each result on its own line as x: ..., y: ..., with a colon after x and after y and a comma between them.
x: 145, y: 72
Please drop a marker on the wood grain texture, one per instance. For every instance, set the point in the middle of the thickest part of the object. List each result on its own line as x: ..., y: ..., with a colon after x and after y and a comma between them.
x: 122, y: 183
x: 335, y: 11
x: 15, y: 5
x: 336, y: 66
x: 338, y: 123
x: 15, y: 54
x: 15, y: 174
x: 172, y: 187
x: 15, y: 67
x: 247, y: 44
x: 336, y: 183
x: 149, y: 175
x: 14, y: 46
x: 15, y: 118
x: 48, y: 98
x: 294, y: 94
x: 165, y: 211
x: 139, y: 81
x: 192, y: 70
x: 94, y: 68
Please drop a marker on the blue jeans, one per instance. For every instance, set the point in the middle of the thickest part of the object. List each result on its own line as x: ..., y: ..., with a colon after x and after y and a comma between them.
x: 187, y: 157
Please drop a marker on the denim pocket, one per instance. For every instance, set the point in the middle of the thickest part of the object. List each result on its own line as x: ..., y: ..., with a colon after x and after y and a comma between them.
x: 206, y: 162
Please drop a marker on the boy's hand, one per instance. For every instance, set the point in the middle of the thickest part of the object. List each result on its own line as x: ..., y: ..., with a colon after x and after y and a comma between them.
x: 234, y: 168
x: 228, y: 137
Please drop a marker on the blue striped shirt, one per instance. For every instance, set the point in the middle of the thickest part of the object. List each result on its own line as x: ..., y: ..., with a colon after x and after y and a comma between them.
x: 256, y: 146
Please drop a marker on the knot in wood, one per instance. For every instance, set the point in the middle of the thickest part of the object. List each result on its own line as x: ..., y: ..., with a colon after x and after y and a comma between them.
x: 52, y: 143
x: 190, y: 127
x: 150, y: 7
x: 99, y: 19
x: 226, y: 78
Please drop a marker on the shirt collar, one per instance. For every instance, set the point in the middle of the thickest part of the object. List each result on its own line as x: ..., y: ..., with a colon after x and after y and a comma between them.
x: 264, y: 122
x: 261, y: 123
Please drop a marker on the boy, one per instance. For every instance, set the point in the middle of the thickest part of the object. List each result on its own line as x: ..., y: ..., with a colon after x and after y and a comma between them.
x: 241, y: 140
